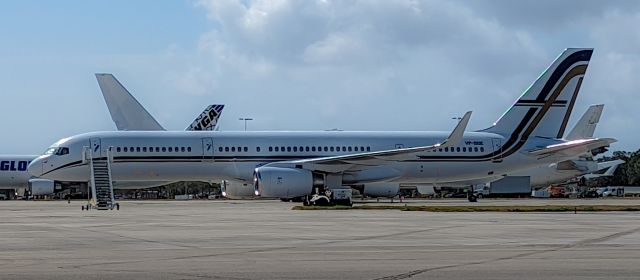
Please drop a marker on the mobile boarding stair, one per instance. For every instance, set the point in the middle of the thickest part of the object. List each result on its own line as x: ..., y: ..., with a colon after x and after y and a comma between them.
x: 101, y: 185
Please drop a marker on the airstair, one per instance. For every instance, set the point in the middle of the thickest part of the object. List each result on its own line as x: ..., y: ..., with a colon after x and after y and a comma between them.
x: 101, y: 184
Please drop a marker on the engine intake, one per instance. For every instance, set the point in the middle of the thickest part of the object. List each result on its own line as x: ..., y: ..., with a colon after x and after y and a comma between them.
x: 277, y: 182
x: 41, y: 186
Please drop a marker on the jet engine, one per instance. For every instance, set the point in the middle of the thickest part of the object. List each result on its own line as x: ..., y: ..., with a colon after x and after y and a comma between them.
x: 236, y: 190
x: 41, y: 186
x: 280, y: 182
x: 381, y: 189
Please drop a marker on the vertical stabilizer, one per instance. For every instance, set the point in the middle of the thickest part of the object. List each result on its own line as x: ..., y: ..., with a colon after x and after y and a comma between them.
x: 127, y: 113
x: 544, y: 108
x: 208, y: 119
x: 586, y: 126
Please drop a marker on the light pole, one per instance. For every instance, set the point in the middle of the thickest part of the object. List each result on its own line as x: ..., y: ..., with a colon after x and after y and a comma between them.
x: 245, y: 122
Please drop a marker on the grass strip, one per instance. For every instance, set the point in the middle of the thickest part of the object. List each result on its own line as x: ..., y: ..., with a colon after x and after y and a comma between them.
x: 480, y: 208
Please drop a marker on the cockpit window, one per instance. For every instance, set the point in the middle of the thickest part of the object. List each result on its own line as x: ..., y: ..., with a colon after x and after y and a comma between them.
x: 62, y: 151
x: 50, y: 151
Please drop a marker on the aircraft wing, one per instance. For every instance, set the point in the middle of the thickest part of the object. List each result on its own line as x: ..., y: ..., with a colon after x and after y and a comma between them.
x: 574, y: 147
x: 372, y: 159
x: 126, y: 112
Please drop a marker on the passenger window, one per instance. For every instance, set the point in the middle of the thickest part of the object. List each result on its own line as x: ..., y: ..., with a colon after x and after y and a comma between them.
x: 306, y: 149
x: 349, y: 149
x: 326, y: 149
x: 464, y: 149
x: 361, y: 149
x: 337, y: 149
x: 188, y: 149
x: 246, y: 149
x: 481, y: 149
x: 138, y: 149
x: 313, y: 149
x: 475, y: 149
x: 157, y: 149
x: 164, y: 149
x: 144, y: 149
x: 239, y: 149
x: 257, y: 149
x: 125, y: 149
x: 277, y: 149
x: 151, y: 149
x: 344, y: 149
x: 295, y: 149
x: 331, y: 149
x: 288, y: 149
x: 233, y: 149
x: 368, y: 149
x: 270, y: 149
x: 226, y: 149
x: 170, y: 149
x: 301, y: 149
x: 219, y: 149
x: 118, y: 149
x: 282, y: 148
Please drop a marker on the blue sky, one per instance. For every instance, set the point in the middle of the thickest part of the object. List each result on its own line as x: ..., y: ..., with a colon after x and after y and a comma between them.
x: 306, y: 65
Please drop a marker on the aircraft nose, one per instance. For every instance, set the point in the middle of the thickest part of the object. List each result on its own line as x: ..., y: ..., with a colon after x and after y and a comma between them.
x: 35, y: 167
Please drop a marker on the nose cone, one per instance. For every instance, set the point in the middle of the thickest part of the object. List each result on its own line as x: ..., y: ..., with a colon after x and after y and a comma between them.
x: 35, y: 167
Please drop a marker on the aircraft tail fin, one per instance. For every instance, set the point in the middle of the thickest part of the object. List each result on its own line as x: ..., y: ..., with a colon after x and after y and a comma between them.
x: 208, y: 119
x: 126, y: 112
x: 586, y: 126
x: 543, y: 110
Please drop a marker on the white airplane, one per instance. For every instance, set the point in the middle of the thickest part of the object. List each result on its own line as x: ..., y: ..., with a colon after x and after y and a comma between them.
x: 544, y: 175
x: 126, y: 112
x: 297, y: 164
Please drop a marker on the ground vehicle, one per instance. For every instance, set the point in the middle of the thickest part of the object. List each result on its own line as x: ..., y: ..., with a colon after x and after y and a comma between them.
x: 610, y: 191
x: 511, y: 186
x: 3, y: 197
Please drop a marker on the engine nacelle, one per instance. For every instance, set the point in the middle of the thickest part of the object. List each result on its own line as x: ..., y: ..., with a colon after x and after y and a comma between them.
x: 236, y: 190
x: 381, y: 189
x: 41, y: 186
x: 280, y: 182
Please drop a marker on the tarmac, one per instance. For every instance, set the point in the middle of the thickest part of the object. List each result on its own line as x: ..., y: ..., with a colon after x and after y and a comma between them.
x: 267, y: 240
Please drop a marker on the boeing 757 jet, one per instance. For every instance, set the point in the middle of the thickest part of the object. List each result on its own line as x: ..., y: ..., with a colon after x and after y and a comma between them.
x: 297, y: 164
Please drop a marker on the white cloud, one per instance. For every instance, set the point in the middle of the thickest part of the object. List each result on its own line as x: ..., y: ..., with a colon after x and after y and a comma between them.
x: 402, y: 65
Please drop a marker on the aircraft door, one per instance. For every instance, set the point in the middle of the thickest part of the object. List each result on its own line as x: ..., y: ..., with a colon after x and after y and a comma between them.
x: 207, y: 149
x: 96, y: 149
x: 497, y: 148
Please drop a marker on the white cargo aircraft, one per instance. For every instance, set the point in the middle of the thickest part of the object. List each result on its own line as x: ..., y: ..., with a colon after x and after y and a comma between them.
x: 296, y: 164
x: 127, y: 113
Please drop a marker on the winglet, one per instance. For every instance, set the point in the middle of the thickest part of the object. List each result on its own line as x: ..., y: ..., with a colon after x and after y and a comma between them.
x: 456, y: 135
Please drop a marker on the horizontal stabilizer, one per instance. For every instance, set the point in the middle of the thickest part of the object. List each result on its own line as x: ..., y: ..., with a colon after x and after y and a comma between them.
x: 574, y: 147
